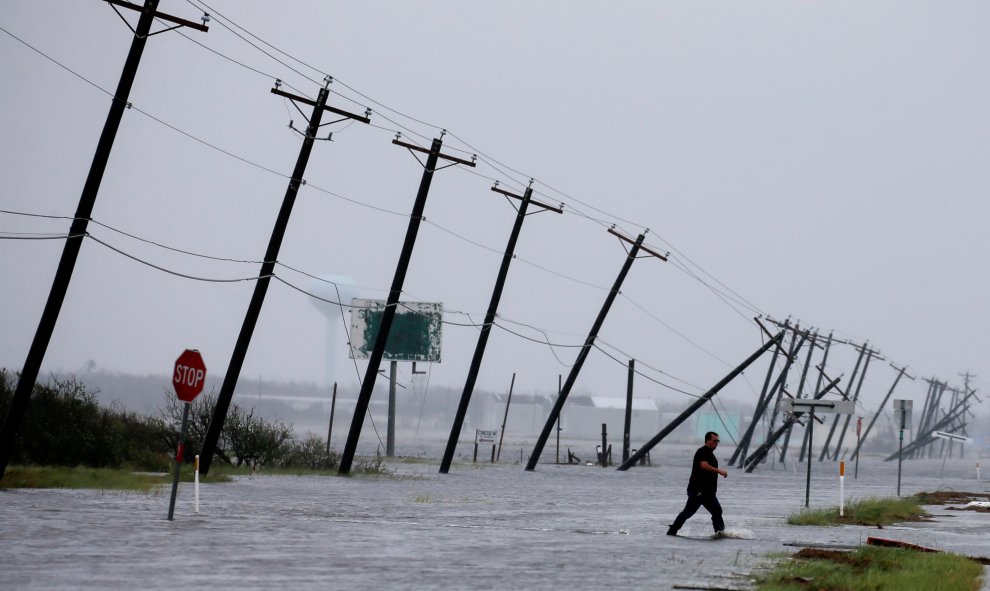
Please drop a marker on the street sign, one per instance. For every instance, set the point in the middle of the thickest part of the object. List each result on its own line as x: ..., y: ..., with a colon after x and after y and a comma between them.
x: 951, y: 436
x: 416, y: 333
x: 189, y: 375
x: 485, y: 436
x: 794, y: 405
x: 902, y: 414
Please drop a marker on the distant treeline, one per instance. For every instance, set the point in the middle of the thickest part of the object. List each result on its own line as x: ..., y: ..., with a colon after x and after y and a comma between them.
x: 65, y: 425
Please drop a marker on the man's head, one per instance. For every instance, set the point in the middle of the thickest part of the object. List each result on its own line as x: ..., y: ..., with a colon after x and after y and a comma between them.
x: 711, y: 439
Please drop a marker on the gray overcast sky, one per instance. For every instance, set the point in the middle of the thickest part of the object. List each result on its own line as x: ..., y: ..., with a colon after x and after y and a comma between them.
x: 823, y: 160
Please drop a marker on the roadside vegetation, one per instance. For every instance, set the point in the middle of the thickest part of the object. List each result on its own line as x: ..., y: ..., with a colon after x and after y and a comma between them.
x: 872, y: 568
x: 67, y: 439
x: 869, y: 511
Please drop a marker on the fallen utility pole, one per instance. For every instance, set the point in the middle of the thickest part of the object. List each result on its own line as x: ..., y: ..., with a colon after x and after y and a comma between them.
x: 80, y: 222
x: 744, y: 441
x: 777, y: 386
x: 486, y: 328
x: 870, y: 354
x: 267, y: 267
x: 637, y: 245
x: 795, y: 349
x: 805, y: 442
x: 804, y: 376
x: 761, y: 452
x: 835, y: 422
x: 926, y: 438
x: 701, y: 401
x: 388, y: 314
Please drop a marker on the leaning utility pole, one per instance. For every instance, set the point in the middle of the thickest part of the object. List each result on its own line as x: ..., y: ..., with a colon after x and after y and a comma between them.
x: 800, y: 391
x: 744, y: 441
x: 900, y: 373
x: 645, y: 449
x: 842, y: 434
x: 486, y: 328
x: 835, y: 422
x: 268, y: 266
x: 818, y: 385
x: 80, y: 222
x: 637, y: 245
x: 388, y: 314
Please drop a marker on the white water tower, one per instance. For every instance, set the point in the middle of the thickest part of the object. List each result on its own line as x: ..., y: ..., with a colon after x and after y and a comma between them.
x: 335, y: 293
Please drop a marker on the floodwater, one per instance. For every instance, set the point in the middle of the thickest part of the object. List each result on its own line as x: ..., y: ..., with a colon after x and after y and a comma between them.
x: 481, y: 526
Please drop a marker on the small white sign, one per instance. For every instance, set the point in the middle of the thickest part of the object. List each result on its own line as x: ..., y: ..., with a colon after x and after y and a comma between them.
x: 483, y: 436
x: 794, y: 405
x: 951, y: 436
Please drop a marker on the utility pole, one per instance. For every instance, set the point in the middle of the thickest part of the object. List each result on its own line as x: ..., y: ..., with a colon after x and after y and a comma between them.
x: 268, y: 266
x: 870, y: 354
x: 505, y: 418
x: 818, y: 386
x: 800, y: 391
x: 629, y: 402
x: 486, y: 328
x: 388, y: 314
x: 835, y: 422
x: 900, y: 373
x: 744, y: 442
x: 637, y: 245
x: 80, y: 222
x: 645, y: 449
x: 775, y: 391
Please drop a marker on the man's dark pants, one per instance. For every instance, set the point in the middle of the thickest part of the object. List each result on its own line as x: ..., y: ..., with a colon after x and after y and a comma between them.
x: 695, y: 500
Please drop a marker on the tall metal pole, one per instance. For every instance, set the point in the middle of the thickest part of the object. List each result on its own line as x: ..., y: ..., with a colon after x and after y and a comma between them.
x: 77, y: 230
x: 390, y: 438
x: 629, y: 400
x: 645, y: 449
x: 486, y: 329
x: 505, y: 417
x: 260, y: 288
x: 388, y: 315
x: 583, y: 355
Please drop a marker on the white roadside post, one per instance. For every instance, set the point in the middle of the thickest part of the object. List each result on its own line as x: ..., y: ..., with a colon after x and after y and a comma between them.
x: 842, y: 489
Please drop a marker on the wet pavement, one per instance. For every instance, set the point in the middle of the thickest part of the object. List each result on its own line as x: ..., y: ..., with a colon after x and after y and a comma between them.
x: 481, y: 526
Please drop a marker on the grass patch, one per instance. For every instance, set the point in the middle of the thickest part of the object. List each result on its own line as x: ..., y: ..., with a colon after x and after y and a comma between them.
x: 945, y: 497
x: 871, y: 568
x: 869, y: 511
x: 81, y: 477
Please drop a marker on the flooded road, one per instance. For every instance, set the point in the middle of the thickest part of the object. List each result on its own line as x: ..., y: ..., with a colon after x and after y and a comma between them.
x: 481, y: 526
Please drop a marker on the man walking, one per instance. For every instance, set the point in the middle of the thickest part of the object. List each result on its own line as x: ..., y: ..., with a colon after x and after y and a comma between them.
x: 702, y: 486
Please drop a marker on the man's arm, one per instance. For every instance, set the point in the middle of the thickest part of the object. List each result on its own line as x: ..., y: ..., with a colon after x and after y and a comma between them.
x: 709, y: 468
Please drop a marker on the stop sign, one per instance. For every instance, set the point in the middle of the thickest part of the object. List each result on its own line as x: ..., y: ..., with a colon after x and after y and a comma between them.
x: 189, y: 375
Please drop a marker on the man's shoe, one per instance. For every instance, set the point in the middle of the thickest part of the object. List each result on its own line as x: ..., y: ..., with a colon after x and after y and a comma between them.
x: 720, y: 534
x: 671, y: 532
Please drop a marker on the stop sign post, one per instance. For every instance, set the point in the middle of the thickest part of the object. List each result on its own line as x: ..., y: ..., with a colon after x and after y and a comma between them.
x: 188, y: 377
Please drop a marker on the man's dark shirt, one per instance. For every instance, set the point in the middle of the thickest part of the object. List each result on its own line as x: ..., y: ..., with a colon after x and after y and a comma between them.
x: 702, y: 480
